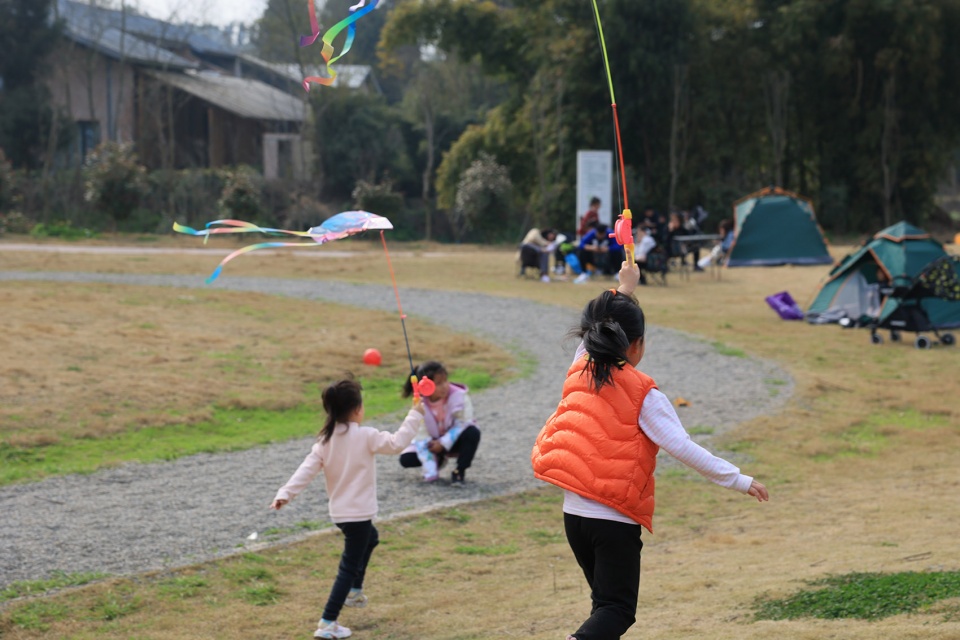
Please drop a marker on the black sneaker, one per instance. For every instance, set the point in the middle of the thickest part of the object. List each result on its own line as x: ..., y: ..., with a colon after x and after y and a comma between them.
x: 456, y: 478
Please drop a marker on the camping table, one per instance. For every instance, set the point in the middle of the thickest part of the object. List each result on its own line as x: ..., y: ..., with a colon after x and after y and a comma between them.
x: 700, y: 239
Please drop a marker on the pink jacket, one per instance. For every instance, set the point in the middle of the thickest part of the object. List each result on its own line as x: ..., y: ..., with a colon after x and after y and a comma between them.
x: 348, y: 465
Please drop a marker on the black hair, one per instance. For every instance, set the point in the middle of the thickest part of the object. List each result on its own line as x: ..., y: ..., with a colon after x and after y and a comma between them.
x: 429, y: 369
x: 340, y: 400
x: 594, y: 200
x: 608, y: 324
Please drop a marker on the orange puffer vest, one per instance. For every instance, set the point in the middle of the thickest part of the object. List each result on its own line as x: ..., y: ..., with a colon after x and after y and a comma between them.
x: 593, y: 446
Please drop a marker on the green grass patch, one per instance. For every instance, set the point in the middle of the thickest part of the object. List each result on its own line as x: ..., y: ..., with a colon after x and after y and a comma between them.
x: 182, y: 587
x: 39, y: 614
x: 726, y: 350
x: 59, y: 580
x: 261, y: 594
x: 544, y: 537
x: 908, y: 419
x: 229, y: 430
x: 495, y: 550
x: 700, y: 430
x: 866, y: 596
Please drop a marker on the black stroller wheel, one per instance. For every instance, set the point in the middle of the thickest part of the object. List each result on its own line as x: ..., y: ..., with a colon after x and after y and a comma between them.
x: 947, y: 339
x: 922, y: 342
x: 895, y: 335
x: 876, y: 338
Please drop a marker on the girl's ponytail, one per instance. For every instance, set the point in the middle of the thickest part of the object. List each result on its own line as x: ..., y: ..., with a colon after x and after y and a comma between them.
x: 339, y: 401
x: 609, y: 323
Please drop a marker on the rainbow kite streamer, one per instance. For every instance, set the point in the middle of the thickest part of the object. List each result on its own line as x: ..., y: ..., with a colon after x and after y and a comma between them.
x: 349, y: 23
x: 336, y: 227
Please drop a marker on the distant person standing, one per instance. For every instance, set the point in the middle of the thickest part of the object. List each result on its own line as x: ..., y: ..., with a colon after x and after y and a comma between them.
x: 587, y: 219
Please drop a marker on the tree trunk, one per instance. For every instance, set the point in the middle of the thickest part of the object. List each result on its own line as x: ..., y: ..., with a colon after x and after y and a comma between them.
x: 889, y: 153
x: 776, y: 87
x: 429, y: 126
x: 679, y: 127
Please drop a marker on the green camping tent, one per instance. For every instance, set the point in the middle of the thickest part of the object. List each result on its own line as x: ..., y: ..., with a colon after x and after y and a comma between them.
x: 774, y: 227
x: 896, y: 256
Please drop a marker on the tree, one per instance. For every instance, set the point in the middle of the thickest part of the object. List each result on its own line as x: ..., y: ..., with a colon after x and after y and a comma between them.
x: 358, y: 137
x: 483, y: 199
x: 27, y: 36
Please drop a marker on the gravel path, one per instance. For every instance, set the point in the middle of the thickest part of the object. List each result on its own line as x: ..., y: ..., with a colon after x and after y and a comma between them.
x: 142, y: 517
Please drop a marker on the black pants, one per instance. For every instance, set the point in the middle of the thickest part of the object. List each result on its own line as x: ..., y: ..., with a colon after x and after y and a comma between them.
x: 609, y: 554
x: 359, y: 541
x: 464, y: 449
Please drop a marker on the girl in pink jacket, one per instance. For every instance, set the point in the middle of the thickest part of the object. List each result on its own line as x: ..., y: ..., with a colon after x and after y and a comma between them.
x: 345, y: 452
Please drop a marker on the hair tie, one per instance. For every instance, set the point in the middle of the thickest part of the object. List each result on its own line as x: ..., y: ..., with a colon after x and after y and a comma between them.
x: 613, y: 291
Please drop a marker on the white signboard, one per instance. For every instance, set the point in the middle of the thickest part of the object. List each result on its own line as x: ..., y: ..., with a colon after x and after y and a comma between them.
x: 594, y: 179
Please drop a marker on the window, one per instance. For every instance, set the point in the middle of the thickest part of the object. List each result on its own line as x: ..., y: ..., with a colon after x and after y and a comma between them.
x: 88, y: 137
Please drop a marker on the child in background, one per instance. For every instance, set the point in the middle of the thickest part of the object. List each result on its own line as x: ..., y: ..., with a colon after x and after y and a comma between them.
x: 613, y: 414
x: 449, y: 423
x: 345, y: 451
x: 722, y: 248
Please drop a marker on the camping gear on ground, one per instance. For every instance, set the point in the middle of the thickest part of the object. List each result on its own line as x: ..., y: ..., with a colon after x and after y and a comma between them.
x: 896, y: 282
x: 785, y: 306
x: 776, y: 227
x: 930, y: 302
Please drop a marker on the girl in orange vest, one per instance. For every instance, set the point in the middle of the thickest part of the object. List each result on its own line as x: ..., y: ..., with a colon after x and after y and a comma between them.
x: 600, y: 446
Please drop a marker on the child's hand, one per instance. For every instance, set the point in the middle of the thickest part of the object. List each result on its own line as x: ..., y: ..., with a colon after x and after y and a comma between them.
x: 434, y: 446
x: 418, y: 406
x: 629, y: 277
x: 758, y: 491
x: 278, y: 503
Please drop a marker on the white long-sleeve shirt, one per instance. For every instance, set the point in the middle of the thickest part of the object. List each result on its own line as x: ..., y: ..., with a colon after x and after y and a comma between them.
x: 660, y: 422
x: 348, y: 465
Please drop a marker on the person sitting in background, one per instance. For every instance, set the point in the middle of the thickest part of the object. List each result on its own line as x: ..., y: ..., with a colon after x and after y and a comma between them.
x: 691, y: 227
x: 539, y: 244
x: 722, y: 248
x: 591, y: 252
x: 643, y: 245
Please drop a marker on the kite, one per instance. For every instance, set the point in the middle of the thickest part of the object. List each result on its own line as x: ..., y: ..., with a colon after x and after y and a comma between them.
x: 349, y: 23
x: 341, y: 225
x: 623, y: 229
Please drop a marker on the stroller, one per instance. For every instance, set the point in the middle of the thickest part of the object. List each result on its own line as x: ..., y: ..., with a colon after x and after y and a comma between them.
x: 928, y: 303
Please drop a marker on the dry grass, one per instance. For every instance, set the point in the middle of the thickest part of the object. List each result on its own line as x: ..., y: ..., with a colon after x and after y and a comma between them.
x: 90, y: 360
x: 861, y: 465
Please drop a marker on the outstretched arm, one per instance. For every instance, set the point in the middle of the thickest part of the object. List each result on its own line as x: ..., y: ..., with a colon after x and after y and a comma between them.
x: 660, y: 422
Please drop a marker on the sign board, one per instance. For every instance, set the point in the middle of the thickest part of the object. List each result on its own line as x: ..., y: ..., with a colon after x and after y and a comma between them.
x: 594, y: 179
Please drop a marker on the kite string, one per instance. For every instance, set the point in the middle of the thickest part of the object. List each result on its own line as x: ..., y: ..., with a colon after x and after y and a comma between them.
x: 623, y: 230
x: 396, y: 292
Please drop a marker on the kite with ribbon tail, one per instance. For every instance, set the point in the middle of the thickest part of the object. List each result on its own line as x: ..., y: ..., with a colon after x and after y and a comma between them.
x: 336, y: 227
x: 623, y: 229
x: 357, y: 11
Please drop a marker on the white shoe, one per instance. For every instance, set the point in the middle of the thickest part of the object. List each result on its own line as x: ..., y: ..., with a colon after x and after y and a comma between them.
x: 545, y: 278
x: 703, y: 263
x: 580, y: 279
x: 358, y: 601
x: 332, y: 630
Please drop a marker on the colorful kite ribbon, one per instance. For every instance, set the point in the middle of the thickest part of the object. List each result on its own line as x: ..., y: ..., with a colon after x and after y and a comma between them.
x: 623, y: 229
x: 334, y: 228
x: 348, y: 23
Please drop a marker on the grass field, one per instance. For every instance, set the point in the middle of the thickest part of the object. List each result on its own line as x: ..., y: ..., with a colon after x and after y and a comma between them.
x: 861, y: 465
